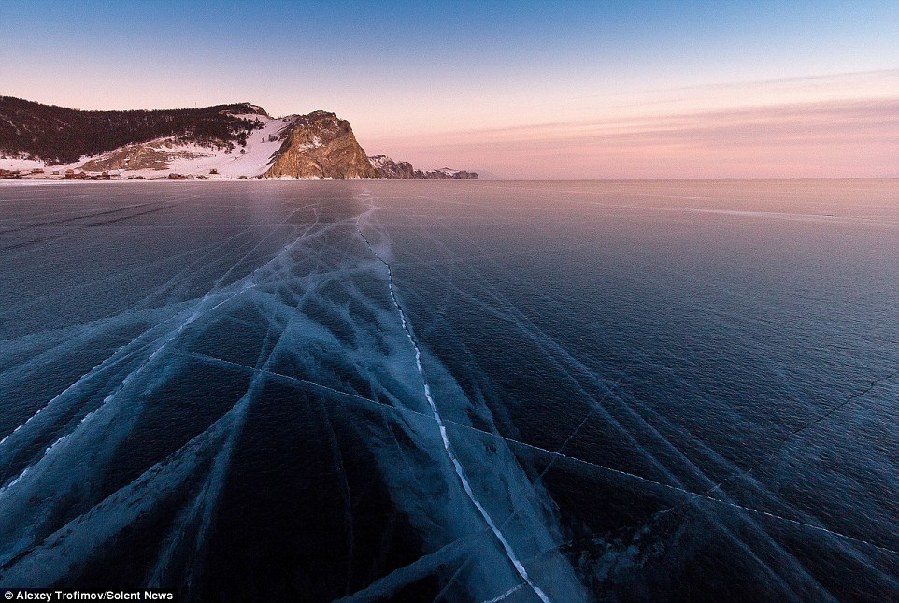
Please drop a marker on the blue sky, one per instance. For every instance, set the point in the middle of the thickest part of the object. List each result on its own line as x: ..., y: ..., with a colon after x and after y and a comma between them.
x: 411, y: 76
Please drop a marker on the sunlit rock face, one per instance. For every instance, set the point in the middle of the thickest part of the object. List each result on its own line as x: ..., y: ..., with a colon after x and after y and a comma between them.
x: 388, y: 168
x: 319, y: 145
x: 403, y: 170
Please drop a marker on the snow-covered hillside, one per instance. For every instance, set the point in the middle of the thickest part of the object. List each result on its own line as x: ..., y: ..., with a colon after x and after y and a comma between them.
x: 196, y: 160
x: 161, y: 157
x: 215, y: 143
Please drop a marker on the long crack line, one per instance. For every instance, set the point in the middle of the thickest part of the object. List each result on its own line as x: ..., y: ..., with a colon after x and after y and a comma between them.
x: 460, y: 471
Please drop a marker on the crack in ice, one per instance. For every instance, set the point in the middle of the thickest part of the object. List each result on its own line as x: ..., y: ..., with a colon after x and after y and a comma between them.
x: 702, y: 496
x: 460, y: 471
x: 197, y: 311
x: 781, y: 447
x: 506, y: 594
x: 556, y: 454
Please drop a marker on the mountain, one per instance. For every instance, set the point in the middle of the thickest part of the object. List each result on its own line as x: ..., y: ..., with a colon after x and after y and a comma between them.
x: 60, y: 135
x: 225, y: 141
x: 319, y: 145
x: 388, y: 168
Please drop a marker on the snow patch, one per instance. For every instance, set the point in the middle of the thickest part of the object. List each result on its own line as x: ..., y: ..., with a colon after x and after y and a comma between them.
x: 18, y: 164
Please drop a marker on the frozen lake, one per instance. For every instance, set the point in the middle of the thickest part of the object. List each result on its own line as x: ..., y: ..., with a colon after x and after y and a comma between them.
x: 459, y: 391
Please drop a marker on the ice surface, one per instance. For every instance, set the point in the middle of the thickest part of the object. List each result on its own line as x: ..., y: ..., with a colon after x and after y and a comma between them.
x: 445, y: 390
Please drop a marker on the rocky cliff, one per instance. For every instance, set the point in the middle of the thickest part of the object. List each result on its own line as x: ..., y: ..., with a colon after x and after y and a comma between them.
x: 388, y: 168
x: 319, y: 145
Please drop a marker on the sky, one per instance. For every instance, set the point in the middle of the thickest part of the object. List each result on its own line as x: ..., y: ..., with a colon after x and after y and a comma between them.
x: 517, y: 89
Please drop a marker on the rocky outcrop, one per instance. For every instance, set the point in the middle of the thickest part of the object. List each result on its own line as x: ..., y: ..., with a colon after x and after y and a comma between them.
x: 154, y: 155
x: 319, y: 145
x: 388, y: 168
x: 446, y: 174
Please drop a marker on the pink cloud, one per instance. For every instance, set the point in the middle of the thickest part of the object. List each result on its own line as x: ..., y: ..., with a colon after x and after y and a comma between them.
x: 830, y: 139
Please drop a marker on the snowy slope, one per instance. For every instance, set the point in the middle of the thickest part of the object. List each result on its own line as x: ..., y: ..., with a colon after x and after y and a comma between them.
x: 249, y: 161
x: 16, y: 164
x: 187, y: 159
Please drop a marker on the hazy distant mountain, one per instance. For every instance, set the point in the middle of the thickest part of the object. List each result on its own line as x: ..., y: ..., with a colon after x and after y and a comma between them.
x: 225, y: 141
x: 388, y: 168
